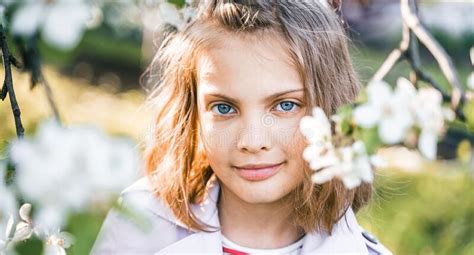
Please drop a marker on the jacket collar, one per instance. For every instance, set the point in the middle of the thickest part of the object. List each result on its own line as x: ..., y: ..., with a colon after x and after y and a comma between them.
x: 346, y: 237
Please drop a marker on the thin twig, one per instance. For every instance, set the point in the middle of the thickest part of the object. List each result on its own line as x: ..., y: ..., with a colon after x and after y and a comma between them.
x: 8, y: 83
x: 414, y: 49
x: 32, y: 63
x: 387, y: 65
x: 444, y: 61
x: 50, y: 96
x: 15, y: 62
x: 4, y: 91
x: 394, y: 56
x: 428, y: 79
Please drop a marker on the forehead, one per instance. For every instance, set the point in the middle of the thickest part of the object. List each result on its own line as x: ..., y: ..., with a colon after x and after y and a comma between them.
x: 245, y: 62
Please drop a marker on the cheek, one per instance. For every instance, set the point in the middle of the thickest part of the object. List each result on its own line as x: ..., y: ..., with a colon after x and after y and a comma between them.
x: 299, y: 144
x: 217, y: 142
x: 215, y: 138
x: 293, y: 143
x: 291, y: 140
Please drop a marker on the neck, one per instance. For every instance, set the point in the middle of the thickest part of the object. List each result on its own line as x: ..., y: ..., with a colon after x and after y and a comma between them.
x: 258, y: 226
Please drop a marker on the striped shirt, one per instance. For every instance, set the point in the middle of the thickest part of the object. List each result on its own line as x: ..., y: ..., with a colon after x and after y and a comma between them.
x: 231, y: 248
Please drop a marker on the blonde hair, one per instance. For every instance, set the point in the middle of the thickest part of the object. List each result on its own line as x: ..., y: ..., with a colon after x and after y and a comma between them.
x: 316, y: 43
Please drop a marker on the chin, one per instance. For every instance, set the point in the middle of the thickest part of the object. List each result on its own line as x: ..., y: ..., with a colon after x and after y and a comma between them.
x: 256, y: 198
x: 262, y: 193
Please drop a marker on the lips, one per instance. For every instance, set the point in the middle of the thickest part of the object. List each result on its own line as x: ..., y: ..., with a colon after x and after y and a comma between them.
x: 257, y: 166
x: 258, y: 172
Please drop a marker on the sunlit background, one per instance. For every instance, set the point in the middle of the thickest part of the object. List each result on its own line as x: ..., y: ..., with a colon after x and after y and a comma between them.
x: 418, y: 207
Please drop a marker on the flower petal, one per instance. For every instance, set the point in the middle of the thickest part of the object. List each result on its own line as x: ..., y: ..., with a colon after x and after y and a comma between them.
x: 311, y: 152
x: 308, y: 127
x: 470, y: 81
x: 327, y: 160
x: 170, y: 14
x: 317, y: 127
x: 427, y: 144
x: 65, y: 24
x: 28, y: 18
x: 363, y: 169
x: 391, y: 131
x: 321, y: 118
x: 53, y: 250
x: 377, y: 161
x: 350, y: 181
x: 323, y: 175
x: 367, y: 115
x: 25, y: 212
x: 23, y: 231
x: 471, y: 54
x: 378, y: 92
x: 405, y: 90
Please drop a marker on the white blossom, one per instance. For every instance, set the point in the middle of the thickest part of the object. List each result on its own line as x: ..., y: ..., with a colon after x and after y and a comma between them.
x: 317, y: 130
x: 8, y: 208
x: 430, y: 117
x: 350, y: 164
x: 389, y: 110
x: 353, y: 167
x: 66, y: 169
x: 61, y: 22
x: 170, y: 14
x: 317, y: 127
x: 24, y: 228
x: 57, y: 242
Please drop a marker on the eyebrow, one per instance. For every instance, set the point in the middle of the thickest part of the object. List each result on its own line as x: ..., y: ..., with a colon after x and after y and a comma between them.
x: 268, y: 98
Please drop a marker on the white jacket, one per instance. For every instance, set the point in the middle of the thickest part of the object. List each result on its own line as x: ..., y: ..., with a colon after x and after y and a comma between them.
x: 159, y: 232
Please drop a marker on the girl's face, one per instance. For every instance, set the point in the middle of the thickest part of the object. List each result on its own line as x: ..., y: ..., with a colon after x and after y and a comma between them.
x: 250, y: 102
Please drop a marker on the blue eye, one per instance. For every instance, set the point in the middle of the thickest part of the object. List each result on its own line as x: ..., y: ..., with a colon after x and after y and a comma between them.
x: 225, y: 109
x: 287, y: 105
x: 222, y: 108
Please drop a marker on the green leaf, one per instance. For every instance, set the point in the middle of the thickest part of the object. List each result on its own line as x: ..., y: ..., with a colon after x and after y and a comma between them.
x: 32, y: 246
x: 345, y: 113
x: 362, y: 97
x: 469, y: 113
x: 370, y: 138
x: 464, y: 151
x: 178, y: 3
x: 84, y: 227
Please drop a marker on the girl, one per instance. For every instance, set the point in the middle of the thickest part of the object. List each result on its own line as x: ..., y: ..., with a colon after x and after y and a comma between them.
x: 224, y: 170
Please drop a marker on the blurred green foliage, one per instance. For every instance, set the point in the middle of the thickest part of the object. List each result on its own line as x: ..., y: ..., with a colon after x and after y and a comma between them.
x: 99, y: 44
x: 456, y: 47
x: 85, y: 228
x: 428, y: 212
x: 367, y: 61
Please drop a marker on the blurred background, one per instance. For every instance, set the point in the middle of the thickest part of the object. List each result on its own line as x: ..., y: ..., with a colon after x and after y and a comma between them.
x: 418, y: 207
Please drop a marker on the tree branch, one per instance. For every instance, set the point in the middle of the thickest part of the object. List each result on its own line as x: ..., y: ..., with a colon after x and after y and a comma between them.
x: 387, y: 65
x: 50, y: 97
x: 444, y: 61
x: 8, y: 83
x: 409, y: 49
x: 32, y: 63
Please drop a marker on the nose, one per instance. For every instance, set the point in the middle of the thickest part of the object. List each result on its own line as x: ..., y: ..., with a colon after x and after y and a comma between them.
x: 254, y: 138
